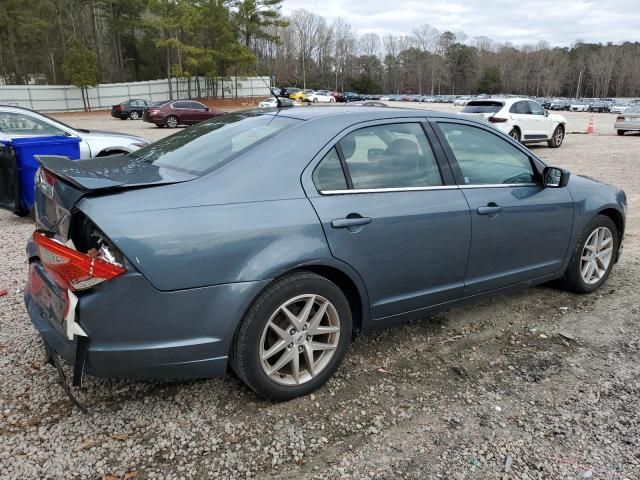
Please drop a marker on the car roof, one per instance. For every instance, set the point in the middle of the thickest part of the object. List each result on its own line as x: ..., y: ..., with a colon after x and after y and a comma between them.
x: 357, y: 113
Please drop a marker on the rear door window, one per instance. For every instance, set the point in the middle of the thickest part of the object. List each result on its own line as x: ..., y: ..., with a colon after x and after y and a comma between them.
x: 390, y: 156
x: 329, y: 175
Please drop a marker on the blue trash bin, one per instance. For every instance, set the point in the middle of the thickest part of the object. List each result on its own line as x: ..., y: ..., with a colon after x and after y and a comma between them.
x: 24, y: 149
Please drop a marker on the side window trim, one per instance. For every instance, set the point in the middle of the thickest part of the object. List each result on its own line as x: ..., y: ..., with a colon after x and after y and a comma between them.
x: 537, y: 166
x: 343, y: 164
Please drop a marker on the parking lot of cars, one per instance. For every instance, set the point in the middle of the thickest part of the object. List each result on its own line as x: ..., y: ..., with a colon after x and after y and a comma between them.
x: 545, y: 381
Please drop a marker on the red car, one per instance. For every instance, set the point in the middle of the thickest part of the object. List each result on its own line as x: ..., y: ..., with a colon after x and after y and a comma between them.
x: 179, y: 112
x: 338, y: 96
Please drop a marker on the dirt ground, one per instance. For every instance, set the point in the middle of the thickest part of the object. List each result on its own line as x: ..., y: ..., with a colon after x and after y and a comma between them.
x: 538, y: 384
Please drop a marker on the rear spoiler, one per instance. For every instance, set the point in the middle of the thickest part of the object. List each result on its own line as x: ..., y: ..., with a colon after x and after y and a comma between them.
x: 75, y: 173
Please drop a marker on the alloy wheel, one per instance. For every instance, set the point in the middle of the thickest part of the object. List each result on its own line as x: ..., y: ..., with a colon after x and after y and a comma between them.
x: 299, y: 339
x: 596, y: 255
x: 558, y: 137
x: 172, y: 122
x: 134, y: 115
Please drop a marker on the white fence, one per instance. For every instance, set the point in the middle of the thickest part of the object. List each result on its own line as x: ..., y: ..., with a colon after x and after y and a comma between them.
x: 67, y: 98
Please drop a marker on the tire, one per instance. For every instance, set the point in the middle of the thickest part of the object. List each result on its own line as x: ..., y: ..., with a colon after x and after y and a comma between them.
x: 134, y: 115
x: 123, y: 118
x: 171, y: 121
x: 573, y: 279
x: 621, y: 132
x: 557, y: 138
x: 160, y: 125
x: 315, y: 100
x: 515, y: 134
x: 332, y: 100
x: 255, y: 337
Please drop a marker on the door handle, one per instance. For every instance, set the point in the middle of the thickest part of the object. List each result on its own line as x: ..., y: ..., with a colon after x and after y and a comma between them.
x: 350, y: 222
x: 490, y: 209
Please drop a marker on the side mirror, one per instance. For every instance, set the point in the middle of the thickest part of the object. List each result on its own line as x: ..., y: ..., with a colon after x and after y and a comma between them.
x: 206, y: 109
x: 554, y: 177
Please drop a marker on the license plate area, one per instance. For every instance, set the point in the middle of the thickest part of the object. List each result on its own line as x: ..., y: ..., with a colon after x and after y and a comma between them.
x: 51, y: 300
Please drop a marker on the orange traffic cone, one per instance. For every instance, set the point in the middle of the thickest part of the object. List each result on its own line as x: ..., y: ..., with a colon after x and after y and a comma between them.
x: 590, y: 126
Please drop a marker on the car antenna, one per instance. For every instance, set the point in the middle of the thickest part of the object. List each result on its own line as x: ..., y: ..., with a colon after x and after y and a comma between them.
x: 272, y: 92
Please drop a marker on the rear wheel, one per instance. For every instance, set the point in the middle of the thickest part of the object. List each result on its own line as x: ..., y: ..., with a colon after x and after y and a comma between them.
x: 171, y: 121
x: 293, y: 338
x: 621, y: 132
x: 557, y: 137
x: 515, y: 134
x: 593, y: 256
x: 134, y: 115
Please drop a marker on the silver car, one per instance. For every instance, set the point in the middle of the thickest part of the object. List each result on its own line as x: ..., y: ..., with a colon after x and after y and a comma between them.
x: 629, y: 120
x: 16, y: 121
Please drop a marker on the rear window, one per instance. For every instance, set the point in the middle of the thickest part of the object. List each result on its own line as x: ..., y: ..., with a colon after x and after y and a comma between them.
x: 208, y: 145
x: 482, y: 107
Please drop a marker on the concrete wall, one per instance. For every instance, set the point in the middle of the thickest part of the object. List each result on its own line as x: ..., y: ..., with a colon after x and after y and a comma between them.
x: 67, y: 98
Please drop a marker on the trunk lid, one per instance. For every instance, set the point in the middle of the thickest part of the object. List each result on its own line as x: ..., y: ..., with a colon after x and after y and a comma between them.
x: 62, y: 182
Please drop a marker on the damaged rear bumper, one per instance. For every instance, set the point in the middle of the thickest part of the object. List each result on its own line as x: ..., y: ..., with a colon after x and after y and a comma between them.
x: 135, y: 331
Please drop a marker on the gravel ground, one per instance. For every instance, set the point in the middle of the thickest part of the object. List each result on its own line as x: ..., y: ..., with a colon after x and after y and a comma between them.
x: 539, y: 384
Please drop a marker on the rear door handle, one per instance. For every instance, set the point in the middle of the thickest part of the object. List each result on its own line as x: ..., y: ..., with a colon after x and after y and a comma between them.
x: 489, y: 210
x: 350, y: 222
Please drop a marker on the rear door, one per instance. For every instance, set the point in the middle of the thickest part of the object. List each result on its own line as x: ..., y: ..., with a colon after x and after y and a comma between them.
x: 520, y: 230
x: 521, y: 113
x: 390, y: 209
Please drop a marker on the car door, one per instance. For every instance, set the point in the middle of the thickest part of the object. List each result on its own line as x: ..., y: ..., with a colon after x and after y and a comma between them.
x: 200, y: 111
x: 389, y: 209
x: 542, y: 125
x: 184, y: 112
x: 521, y: 114
x: 520, y: 230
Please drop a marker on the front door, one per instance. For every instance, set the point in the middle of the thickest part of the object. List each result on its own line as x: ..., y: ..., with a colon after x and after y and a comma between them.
x: 520, y: 230
x: 386, y: 211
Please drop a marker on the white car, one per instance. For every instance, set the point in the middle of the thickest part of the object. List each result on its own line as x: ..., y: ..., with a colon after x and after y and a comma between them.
x: 618, y: 108
x: 579, y: 107
x: 522, y: 119
x: 461, y: 101
x: 21, y: 122
x: 320, y: 97
x: 271, y: 102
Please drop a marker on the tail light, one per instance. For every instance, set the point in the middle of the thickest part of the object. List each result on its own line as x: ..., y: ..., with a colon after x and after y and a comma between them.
x: 153, y: 111
x: 620, y: 117
x: 120, y: 108
x: 74, y: 270
x: 497, y: 120
x: 45, y: 181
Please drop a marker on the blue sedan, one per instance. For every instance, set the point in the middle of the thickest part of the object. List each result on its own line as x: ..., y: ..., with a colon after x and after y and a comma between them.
x: 233, y: 243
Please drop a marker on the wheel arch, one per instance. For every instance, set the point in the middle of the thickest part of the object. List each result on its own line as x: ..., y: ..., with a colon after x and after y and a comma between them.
x: 113, y: 151
x: 616, y: 217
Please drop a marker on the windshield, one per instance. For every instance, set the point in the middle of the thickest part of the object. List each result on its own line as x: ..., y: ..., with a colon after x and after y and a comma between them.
x: 482, y: 107
x: 203, y: 147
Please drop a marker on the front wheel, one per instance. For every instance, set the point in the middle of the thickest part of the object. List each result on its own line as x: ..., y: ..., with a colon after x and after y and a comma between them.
x: 593, y: 256
x: 293, y: 338
x: 557, y: 137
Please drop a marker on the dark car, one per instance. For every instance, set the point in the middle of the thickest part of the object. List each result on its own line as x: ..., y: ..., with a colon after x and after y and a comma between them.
x: 267, y: 239
x: 352, y: 97
x: 179, y: 112
x: 132, y: 109
x: 601, y: 107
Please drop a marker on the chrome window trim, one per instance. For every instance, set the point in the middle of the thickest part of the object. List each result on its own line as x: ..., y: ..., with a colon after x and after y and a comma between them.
x: 501, y: 185
x: 421, y: 189
x: 386, y: 190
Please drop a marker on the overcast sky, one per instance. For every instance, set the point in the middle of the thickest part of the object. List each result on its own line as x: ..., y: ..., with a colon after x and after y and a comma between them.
x: 560, y: 22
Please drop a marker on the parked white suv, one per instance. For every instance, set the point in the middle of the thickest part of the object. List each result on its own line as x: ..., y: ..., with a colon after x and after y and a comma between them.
x: 522, y: 119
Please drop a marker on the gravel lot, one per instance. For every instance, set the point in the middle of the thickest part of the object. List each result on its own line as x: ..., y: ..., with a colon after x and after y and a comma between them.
x: 540, y: 384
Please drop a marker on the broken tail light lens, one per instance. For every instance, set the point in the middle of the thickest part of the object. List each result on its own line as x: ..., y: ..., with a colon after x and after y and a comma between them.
x: 497, y: 120
x: 74, y: 270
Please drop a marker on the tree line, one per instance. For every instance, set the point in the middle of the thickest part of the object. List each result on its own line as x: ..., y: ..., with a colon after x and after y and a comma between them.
x: 85, y: 42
